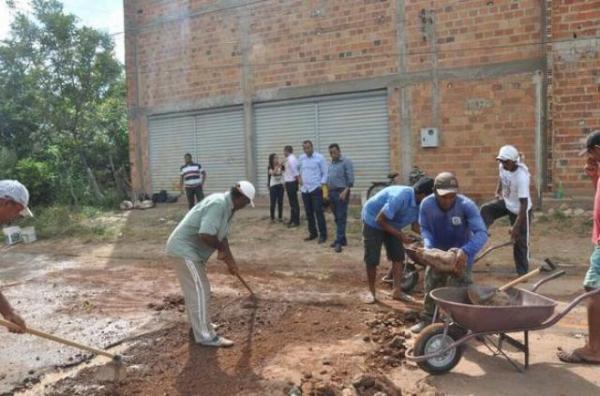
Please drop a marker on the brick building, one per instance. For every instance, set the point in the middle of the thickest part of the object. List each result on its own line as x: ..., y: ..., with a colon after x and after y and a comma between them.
x: 232, y: 80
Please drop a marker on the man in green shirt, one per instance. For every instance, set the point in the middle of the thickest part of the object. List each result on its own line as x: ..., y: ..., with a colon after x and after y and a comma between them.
x: 202, y: 231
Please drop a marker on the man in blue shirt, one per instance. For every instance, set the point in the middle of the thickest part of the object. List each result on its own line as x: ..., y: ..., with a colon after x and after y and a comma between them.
x: 340, y: 179
x: 449, y: 220
x: 384, y: 216
x: 313, y: 175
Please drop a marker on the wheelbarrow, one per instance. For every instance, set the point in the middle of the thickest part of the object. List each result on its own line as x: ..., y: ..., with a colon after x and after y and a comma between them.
x: 440, y: 346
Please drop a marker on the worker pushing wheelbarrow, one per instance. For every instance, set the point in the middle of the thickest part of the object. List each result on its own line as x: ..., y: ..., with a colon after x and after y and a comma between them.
x: 482, y: 312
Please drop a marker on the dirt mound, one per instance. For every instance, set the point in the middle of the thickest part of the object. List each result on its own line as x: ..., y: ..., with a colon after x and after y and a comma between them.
x: 169, y: 302
x: 388, y: 331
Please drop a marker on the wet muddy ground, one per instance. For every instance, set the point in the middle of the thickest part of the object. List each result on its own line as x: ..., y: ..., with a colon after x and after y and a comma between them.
x: 308, y: 332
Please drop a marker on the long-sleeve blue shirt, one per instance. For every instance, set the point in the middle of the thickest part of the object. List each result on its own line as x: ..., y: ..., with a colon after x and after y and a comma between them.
x: 460, y: 227
x: 340, y: 173
x: 313, y: 171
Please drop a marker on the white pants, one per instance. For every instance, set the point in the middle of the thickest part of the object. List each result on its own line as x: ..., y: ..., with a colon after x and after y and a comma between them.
x: 196, y: 292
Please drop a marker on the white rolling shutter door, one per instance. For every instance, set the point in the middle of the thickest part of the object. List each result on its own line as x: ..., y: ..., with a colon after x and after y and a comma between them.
x: 220, y: 148
x: 278, y: 126
x: 170, y: 139
x: 360, y: 127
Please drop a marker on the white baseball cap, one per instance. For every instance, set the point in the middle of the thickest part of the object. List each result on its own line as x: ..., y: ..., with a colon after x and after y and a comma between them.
x: 246, y: 188
x: 15, y: 191
x: 508, y: 153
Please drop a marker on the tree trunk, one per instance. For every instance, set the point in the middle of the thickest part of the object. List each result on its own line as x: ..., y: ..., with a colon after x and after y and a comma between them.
x: 91, y: 177
x: 121, y: 184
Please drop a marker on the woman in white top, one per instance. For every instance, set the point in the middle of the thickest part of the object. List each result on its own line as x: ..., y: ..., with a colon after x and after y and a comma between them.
x: 276, y: 183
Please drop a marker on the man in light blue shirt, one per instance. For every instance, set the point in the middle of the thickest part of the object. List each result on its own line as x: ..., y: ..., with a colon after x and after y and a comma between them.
x: 449, y: 220
x: 313, y: 174
x: 384, y: 216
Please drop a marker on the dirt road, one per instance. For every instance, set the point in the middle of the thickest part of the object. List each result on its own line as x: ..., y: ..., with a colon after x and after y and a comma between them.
x: 309, y: 329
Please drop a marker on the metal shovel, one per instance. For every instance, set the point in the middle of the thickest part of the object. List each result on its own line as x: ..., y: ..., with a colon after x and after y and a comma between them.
x: 479, y: 295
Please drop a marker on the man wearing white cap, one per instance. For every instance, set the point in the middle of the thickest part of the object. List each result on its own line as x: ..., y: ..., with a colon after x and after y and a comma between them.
x: 512, y: 200
x: 14, y: 199
x: 202, y: 231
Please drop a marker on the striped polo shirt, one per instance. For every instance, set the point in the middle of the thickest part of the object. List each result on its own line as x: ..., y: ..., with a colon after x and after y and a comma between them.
x: 192, y: 175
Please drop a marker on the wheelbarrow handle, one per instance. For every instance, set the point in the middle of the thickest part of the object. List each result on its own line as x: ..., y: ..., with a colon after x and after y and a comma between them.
x: 548, y: 279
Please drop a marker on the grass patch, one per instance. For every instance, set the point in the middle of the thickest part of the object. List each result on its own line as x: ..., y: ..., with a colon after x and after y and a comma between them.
x: 86, y: 223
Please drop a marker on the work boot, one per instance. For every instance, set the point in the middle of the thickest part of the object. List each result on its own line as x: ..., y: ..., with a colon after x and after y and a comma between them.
x: 217, y: 341
x: 419, y: 326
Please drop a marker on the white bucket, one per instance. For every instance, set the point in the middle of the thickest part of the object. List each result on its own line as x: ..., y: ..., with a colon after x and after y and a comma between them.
x: 12, y: 235
x: 28, y: 234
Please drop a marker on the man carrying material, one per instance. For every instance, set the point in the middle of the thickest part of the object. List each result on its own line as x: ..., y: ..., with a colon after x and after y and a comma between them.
x: 590, y: 352
x: 313, y: 175
x: 202, y: 231
x: 384, y: 216
x: 449, y: 220
x: 14, y: 199
x: 290, y: 177
x: 340, y: 179
x: 192, y: 179
x: 512, y: 200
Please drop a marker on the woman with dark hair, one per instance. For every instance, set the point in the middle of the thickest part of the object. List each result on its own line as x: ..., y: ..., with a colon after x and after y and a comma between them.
x: 275, y: 182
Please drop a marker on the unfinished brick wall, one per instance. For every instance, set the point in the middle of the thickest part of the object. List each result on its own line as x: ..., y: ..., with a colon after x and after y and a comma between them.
x: 575, y: 88
x: 228, y: 52
x: 477, y: 118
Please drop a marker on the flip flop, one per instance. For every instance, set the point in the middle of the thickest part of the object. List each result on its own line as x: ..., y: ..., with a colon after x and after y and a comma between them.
x: 573, y: 357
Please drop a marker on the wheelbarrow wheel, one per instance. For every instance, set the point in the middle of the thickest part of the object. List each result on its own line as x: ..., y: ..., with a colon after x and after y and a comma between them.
x: 410, y: 278
x: 432, y: 339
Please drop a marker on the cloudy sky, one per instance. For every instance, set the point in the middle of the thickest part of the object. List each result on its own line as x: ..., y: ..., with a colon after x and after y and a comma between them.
x: 106, y: 15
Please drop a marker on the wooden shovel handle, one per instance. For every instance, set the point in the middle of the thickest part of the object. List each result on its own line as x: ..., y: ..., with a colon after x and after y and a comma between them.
x: 245, y: 284
x: 51, y: 337
x: 519, y: 279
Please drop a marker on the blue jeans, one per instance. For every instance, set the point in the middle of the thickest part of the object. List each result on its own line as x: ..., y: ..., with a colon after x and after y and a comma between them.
x: 340, y: 213
x: 592, y: 277
x: 313, y: 206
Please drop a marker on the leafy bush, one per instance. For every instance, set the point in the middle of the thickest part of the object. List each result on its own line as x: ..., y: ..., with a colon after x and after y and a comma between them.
x: 39, y: 177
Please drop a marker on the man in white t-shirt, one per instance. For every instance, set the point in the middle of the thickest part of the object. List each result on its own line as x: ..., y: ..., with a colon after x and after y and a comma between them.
x: 512, y: 200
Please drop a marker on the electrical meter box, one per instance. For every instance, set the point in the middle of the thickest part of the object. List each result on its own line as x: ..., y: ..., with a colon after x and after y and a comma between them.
x: 430, y: 137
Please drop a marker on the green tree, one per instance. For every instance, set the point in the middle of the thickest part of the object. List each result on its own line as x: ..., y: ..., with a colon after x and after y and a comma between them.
x: 63, y: 98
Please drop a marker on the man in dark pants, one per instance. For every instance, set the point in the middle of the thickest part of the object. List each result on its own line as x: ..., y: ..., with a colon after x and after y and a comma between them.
x: 313, y: 175
x: 512, y: 200
x: 340, y: 179
x: 291, y: 176
x: 192, y: 179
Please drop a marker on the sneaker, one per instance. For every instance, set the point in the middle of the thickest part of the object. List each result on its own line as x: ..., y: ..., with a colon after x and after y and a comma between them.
x: 419, y: 327
x: 217, y: 341
x: 338, y: 248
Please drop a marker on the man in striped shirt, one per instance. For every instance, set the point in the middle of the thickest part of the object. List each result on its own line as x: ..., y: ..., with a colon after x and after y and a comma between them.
x: 192, y: 179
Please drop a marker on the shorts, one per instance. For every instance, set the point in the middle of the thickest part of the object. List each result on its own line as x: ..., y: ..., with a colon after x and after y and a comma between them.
x: 592, y: 277
x: 373, y: 238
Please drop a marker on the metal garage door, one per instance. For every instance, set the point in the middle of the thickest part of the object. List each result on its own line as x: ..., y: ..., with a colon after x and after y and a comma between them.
x: 215, y: 140
x: 358, y: 123
x: 278, y: 126
x: 221, y: 148
x: 170, y: 139
x: 360, y: 127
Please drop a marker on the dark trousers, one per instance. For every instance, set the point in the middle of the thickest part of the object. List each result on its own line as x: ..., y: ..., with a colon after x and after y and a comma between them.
x: 313, y: 206
x: 292, y: 193
x: 340, y: 214
x: 194, y: 195
x: 495, y: 209
x: 276, y: 198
